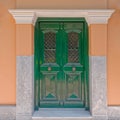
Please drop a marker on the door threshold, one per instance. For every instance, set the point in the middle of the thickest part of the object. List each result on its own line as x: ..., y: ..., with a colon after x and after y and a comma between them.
x: 62, y: 114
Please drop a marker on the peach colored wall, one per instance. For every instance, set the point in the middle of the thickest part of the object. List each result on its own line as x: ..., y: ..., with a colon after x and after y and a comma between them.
x: 7, y: 58
x: 62, y: 4
x: 8, y: 3
x: 114, y: 59
x: 114, y: 4
x: 98, y: 39
x: 24, y: 39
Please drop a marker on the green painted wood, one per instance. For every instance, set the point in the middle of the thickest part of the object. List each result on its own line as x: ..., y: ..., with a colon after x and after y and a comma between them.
x: 86, y: 48
x: 61, y: 63
x: 36, y: 71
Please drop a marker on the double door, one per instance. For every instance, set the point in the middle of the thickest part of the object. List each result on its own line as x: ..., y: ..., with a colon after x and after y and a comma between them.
x: 60, y: 64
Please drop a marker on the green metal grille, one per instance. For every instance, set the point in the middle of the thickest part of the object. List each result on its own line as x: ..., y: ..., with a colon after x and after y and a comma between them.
x: 50, y: 47
x: 73, y: 45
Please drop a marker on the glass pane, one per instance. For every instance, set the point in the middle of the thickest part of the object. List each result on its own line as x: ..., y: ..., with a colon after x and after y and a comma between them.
x: 50, y: 47
x: 73, y: 45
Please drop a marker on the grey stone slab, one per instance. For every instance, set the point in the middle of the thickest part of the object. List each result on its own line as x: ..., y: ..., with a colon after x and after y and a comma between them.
x: 98, y: 86
x: 61, y: 118
x: 61, y: 114
x: 114, y: 118
x: 100, y: 117
x: 25, y: 85
x: 23, y: 117
x: 7, y: 112
x: 114, y: 112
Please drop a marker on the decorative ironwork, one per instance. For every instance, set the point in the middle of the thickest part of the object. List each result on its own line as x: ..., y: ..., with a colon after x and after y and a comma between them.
x: 73, y: 45
x: 49, y: 56
x: 50, y: 47
x: 50, y: 40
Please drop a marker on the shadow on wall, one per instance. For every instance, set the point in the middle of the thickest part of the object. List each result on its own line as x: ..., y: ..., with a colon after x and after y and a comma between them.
x: 7, y: 57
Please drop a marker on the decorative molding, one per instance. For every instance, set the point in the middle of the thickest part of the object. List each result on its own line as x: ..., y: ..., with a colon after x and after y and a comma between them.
x: 30, y: 16
x: 23, y: 16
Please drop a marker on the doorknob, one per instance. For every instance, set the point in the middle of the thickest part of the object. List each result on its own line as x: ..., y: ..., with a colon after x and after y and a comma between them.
x: 73, y: 69
x: 49, y: 68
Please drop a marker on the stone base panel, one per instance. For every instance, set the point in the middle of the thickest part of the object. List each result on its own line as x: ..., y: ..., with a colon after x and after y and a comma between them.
x: 9, y: 113
x: 98, y: 86
x: 24, y: 87
x: 114, y: 113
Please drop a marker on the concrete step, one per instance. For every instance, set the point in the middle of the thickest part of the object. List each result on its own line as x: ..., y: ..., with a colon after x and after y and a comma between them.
x: 61, y: 114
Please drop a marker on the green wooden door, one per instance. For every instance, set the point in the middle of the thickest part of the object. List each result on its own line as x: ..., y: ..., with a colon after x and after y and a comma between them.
x: 60, y: 64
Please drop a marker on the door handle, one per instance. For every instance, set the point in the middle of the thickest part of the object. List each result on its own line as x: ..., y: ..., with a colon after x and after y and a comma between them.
x: 73, y: 69
x: 49, y: 68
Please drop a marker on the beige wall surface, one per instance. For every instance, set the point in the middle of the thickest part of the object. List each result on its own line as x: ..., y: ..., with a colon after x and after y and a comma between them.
x: 7, y: 58
x: 62, y: 4
x: 114, y: 4
x: 113, y: 61
x: 98, y: 39
x: 24, y: 39
x: 8, y: 3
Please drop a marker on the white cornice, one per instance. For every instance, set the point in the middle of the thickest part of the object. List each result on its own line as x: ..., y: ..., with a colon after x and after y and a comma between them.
x: 23, y: 16
x: 30, y: 16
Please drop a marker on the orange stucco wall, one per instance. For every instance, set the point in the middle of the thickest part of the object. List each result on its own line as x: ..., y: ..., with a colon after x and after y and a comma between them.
x: 98, y: 39
x: 68, y: 4
x: 113, y: 61
x: 114, y: 4
x: 8, y: 4
x: 24, y: 39
x: 62, y: 4
x: 7, y: 57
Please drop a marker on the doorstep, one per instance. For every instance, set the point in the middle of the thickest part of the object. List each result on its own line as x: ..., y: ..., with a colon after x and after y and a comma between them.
x: 61, y: 114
